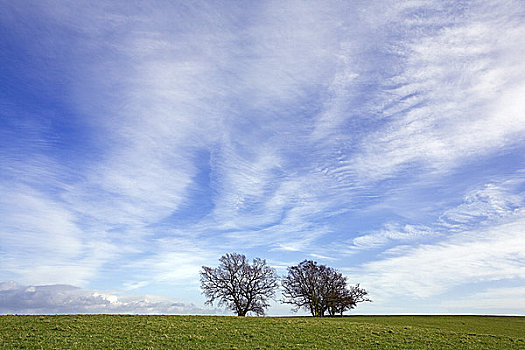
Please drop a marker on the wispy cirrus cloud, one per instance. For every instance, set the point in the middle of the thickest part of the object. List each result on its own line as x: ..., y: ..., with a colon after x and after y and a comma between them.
x: 450, y: 98
x: 492, y: 202
x: 141, y: 141
x: 481, y: 207
x: 391, y: 232
x: 491, y: 254
x: 490, y: 250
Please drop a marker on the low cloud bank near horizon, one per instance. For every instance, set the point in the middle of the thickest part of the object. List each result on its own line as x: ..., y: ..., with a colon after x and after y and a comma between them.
x: 67, y: 299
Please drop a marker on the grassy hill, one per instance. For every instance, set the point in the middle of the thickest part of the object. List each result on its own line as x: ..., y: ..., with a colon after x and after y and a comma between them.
x: 210, y: 332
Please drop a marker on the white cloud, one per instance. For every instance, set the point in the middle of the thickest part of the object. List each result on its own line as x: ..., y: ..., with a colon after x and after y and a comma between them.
x: 173, y: 263
x: 509, y: 300
x: 322, y: 257
x: 167, y: 100
x: 40, y: 236
x: 455, y: 99
x: 37, y: 223
x: 60, y: 299
x: 392, y: 233
x: 477, y: 242
x: 283, y: 115
x: 492, y: 202
x: 148, y: 122
x: 488, y: 254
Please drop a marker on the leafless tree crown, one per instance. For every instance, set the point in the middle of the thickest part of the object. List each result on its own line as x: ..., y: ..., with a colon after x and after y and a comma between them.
x: 240, y: 286
x: 320, y: 289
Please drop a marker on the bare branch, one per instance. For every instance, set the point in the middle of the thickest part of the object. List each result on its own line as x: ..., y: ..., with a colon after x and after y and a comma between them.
x: 320, y: 289
x: 239, y: 285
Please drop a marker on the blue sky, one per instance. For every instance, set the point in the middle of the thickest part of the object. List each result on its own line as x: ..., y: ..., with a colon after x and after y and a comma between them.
x: 142, y: 140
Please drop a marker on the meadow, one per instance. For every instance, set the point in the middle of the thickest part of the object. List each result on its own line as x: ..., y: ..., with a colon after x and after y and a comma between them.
x: 220, y: 332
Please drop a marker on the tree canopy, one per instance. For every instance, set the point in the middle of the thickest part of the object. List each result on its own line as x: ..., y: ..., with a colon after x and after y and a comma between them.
x: 240, y: 286
x: 320, y: 289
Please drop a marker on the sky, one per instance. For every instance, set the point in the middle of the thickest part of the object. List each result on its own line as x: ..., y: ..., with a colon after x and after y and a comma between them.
x: 142, y: 140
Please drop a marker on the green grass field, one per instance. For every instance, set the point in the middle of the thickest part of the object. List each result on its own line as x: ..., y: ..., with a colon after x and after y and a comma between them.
x: 209, y: 332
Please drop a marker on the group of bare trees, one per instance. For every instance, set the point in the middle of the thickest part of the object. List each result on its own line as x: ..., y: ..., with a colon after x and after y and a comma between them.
x: 243, y: 287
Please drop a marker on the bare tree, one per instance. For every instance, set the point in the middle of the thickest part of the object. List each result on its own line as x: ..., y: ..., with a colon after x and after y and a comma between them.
x: 318, y: 289
x: 305, y: 287
x: 239, y: 285
x: 346, y: 299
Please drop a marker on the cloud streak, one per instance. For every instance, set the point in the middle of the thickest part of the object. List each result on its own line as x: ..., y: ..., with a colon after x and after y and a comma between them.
x: 490, y: 251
